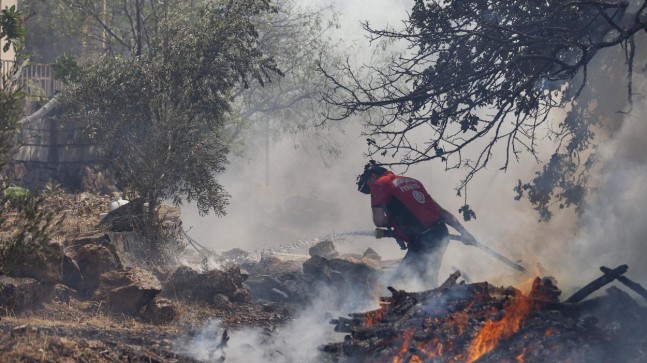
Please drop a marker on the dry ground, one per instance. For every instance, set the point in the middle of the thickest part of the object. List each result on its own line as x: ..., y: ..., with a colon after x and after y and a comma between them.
x: 74, y: 330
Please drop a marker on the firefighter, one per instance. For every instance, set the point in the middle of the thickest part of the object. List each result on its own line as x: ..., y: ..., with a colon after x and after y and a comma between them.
x: 418, y: 223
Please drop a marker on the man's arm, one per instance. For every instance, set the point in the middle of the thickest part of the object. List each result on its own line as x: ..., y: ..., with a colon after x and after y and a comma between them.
x: 379, y: 217
x: 449, y: 218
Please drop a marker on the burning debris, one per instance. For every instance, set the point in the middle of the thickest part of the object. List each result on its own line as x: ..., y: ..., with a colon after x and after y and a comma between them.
x: 460, y: 322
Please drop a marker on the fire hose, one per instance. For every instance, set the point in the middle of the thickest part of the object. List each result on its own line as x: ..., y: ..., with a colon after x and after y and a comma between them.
x: 381, y: 233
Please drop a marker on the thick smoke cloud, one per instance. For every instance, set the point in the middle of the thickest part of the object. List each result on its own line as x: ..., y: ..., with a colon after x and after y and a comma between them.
x: 613, y: 231
x: 310, y: 195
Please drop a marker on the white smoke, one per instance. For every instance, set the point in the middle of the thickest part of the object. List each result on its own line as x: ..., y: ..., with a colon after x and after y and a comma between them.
x: 305, y: 199
x: 297, y: 341
x: 613, y: 230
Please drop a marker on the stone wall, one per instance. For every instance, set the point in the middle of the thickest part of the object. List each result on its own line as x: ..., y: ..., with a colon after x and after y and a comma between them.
x: 59, y: 153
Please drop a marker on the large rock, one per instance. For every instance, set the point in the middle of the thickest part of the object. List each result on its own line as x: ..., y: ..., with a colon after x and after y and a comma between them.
x: 128, y: 217
x: 325, y: 249
x: 338, y: 270
x: 19, y: 293
x: 203, y: 286
x: 160, y: 311
x: 372, y: 255
x: 95, y: 256
x: 268, y: 288
x: 72, y: 276
x: 42, y: 264
x: 127, y: 290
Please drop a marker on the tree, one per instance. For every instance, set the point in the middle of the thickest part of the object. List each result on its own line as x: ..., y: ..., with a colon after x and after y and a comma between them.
x: 52, y: 30
x: 297, y: 39
x: 487, y: 73
x: 24, y: 239
x: 158, y: 111
x: 11, y: 99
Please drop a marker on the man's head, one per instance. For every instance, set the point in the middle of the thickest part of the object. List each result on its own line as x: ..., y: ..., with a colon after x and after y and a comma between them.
x: 372, y: 171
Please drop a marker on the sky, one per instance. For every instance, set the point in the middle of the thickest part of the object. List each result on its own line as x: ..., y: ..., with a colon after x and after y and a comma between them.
x: 309, y: 196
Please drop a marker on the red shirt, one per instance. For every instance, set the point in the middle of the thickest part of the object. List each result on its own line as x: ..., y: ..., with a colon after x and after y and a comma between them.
x: 408, y: 206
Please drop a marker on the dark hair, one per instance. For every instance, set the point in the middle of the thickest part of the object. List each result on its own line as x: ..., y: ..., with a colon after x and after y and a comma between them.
x: 372, y: 168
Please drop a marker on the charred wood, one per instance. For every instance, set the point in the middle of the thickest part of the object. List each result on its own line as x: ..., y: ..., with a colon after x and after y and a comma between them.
x: 597, y: 284
x: 636, y: 287
x: 476, y: 323
x: 451, y: 281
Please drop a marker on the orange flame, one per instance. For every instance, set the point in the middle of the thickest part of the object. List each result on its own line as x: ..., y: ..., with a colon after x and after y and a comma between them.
x: 519, y: 358
x: 493, y: 332
x: 431, y: 349
x: 408, y: 335
x: 551, y: 331
x: 375, y: 316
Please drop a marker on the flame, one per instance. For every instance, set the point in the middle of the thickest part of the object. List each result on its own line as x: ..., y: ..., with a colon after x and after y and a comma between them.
x: 551, y: 331
x: 431, y: 349
x: 408, y: 335
x: 493, y: 332
x: 375, y: 316
x: 461, y: 319
x: 519, y: 358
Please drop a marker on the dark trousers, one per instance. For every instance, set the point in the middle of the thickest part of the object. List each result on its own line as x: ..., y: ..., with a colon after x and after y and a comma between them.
x: 425, y: 254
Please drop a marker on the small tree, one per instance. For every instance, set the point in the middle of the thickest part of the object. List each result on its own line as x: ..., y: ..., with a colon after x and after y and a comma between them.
x: 158, y: 114
x: 11, y: 99
x: 25, y: 237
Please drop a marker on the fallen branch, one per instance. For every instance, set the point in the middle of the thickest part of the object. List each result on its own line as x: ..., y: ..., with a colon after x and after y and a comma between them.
x: 596, y: 284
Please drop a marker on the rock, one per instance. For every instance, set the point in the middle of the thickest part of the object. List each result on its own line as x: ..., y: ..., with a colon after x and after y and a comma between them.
x: 42, y: 264
x: 193, y: 285
x: 261, y: 287
x: 72, y: 276
x: 117, y: 203
x: 237, y: 274
x: 235, y: 254
x: 162, y: 272
x: 340, y: 271
x: 268, y: 260
x: 63, y: 293
x: 318, y: 268
x: 221, y: 302
x: 281, y: 293
x: 325, y: 249
x: 93, y: 260
x: 127, y: 290
x: 241, y: 295
x: 160, y: 311
x: 97, y: 179
x: 19, y: 293
x: 371, y: 254
x: 124, y: 217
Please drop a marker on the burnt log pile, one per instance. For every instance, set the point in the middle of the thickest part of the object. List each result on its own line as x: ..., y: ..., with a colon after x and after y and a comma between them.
x: 478, y: 322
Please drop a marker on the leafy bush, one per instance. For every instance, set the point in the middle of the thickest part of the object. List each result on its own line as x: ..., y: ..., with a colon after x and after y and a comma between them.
x: 25, y: 248
x: 16, y: 195
x: 65, y: 67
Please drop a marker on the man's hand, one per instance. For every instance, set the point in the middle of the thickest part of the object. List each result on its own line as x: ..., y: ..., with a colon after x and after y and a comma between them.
x: 382, y: 232
x: 468, y: 239
x: 403, y: 246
